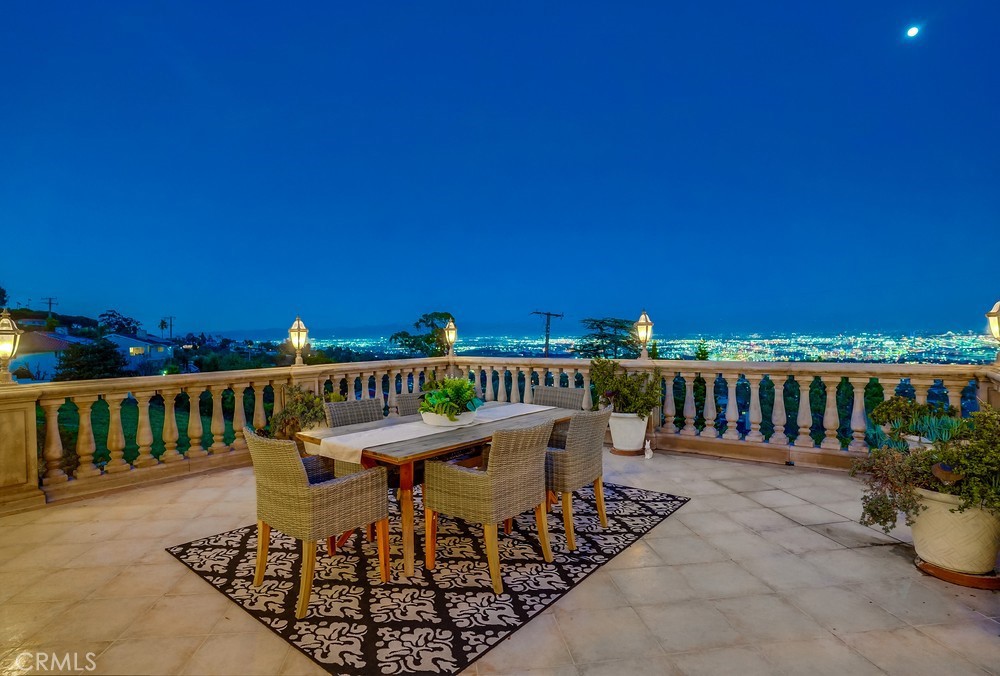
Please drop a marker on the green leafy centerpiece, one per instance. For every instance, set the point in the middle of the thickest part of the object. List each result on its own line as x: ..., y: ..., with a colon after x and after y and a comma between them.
x: 449, y: 402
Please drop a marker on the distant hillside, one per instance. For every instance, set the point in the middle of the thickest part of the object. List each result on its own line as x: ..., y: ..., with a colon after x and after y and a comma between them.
x: 65, y: 320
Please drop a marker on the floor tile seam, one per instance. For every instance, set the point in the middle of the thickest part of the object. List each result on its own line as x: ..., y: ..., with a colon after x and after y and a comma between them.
x: 559, y: 632
x: 955, y: 655
x: 909, y: 624
x: 183, y: 667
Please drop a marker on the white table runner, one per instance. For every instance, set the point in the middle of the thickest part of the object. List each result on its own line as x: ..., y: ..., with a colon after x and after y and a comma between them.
x: 348, y: 447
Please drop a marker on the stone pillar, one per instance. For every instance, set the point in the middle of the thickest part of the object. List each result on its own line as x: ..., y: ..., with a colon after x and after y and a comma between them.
x: 804, y: 419
x: 778, y: 415
x: 711, y: 410
x: 116, y: 435
x: 170, y: 433
x: 588, y: 400
x: 732, y: 407
x: 690, y: 410
x: 19, y: 450
x: 528, y: 394
x: 259, y: 415
x: 144, y: 431
x: 920, y: 387
x: 195, y: 428
x: 218, y: 421
x: 240, y: 417
x: 669, y: 404
x: 515, y: 391
x: 859, y: 419
x: 85, y: 445
x: 393, y: 405
x: 502, y: 387
x: 52, y: 451
x: 955, y: 388
x: 831, y: 417
x: 755, y: 415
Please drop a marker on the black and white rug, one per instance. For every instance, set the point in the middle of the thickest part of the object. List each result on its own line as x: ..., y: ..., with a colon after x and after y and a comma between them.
x: 437, y: 621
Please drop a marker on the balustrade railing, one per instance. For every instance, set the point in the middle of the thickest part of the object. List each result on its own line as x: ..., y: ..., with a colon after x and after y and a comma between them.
x: 96, y: 435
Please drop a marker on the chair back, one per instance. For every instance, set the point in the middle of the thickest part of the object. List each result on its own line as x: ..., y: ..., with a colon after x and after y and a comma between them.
x: 277, y: 469
x: 408, y: 403
x: 340, y: 413
x: 560, y: 397
x: 585, y: 442
x: 519, y: 453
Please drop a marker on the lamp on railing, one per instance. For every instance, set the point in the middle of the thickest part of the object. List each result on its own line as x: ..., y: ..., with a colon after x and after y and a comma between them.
x: 994, y: 318
x: 10, y: 337
x: 644, y: 331
x: 451, y: 336
x: 298, y: 335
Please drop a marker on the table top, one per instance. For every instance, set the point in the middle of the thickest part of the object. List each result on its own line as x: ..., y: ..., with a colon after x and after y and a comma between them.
x: 450, y: 439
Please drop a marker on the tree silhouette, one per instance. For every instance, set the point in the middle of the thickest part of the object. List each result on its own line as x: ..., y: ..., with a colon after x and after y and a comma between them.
x: 429, y: 344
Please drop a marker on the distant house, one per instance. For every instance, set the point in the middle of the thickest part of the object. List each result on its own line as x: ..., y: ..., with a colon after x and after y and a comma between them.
x: 39, y: 352
x: 144, y: 353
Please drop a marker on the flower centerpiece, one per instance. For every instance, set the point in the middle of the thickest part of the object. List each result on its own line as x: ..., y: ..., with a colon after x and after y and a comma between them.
x: 449, y: 402
x: 942, y: 473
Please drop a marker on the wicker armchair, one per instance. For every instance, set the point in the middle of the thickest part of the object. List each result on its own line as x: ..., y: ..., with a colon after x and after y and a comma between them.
x: 407, y: 403
x: 340, y: 413
x: 309, y: 511
x: 578, y: 464
x: 560, y: 397
x: 513, y: 482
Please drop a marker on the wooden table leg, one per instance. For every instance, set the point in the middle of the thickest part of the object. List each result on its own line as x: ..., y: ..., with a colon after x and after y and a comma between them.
x: 406, y: 511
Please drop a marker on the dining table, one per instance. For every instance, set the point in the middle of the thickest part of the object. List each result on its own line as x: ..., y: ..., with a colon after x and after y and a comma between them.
x: 402, y: 442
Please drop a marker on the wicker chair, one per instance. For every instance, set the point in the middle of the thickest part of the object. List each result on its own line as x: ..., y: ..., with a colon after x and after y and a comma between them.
x: 340, y: 413
x: 407, y: 403
x: 579, y: 464
x: 560, y: 397
x: 291, y: 501
x: 513, y: 482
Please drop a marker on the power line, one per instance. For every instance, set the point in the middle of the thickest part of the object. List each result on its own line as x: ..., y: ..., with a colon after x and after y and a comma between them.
x: 171, y: 319
x: 51, y: 302
x: 548, y: 325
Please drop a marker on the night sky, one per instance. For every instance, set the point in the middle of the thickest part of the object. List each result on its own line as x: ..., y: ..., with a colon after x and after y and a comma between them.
x: 729, y: 166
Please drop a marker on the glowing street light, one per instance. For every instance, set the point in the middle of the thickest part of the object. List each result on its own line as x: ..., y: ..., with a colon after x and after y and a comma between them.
x: 912, y: 31
x: 644, y: 331
x: 451, y: 336
x: 994, y: 318
x: 298, y: 335
x: 10, y: 337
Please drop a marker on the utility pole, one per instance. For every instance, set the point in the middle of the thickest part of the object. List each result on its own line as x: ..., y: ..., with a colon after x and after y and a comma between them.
x: 171, y: 319
x: 548, y: 325
x: 51, y: 302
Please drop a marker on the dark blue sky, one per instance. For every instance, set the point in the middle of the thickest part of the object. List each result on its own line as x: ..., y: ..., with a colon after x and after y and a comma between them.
x: 730, y: 166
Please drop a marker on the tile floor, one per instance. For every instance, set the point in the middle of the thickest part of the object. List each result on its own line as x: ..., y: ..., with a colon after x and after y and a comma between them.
x: 765, y: 571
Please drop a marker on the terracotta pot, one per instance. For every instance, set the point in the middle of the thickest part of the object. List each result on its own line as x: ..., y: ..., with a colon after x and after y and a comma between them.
x: 967, y: 542
x: 628, y: 431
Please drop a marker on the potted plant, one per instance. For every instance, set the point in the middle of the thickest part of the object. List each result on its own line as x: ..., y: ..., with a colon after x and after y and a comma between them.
x: 303, y: 410
x: 449, y: 402
x: 632, y: 396
x: 942, y: 473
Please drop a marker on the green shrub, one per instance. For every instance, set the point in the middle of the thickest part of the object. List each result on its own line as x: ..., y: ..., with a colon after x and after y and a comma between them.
x: 637, y: 393
x: 449, y: 397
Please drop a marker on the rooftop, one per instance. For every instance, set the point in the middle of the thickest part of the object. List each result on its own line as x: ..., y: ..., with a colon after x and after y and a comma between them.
x: 765, y: 570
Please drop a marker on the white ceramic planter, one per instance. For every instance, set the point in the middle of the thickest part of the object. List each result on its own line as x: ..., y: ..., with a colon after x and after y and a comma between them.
x: 966, y: 542
x: 628, y: 431
x: 436, y: 420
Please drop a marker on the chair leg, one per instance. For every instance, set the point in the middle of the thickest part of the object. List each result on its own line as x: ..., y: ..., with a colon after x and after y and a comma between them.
x: 599, y: 498
x: 508, y: 526
x: 342, y: 540
x: 542, y: 522
x: 493, y: 556
x: 550, y: 499
x: 371, y: 533
x: 305, y: 585
x: 567, y: 510
x: 430, y: 538
x: 263, y: 542
x: 382, y: 528
x: 331, y: 546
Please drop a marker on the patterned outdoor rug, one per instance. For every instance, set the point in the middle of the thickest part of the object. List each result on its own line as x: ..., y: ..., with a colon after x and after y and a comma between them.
x: 438, y: 621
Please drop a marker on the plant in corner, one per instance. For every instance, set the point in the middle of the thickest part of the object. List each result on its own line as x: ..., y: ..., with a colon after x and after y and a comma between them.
x: 633, y: 396
x: 453, y: 400
x: 302, y: 410
x: 942, y: 473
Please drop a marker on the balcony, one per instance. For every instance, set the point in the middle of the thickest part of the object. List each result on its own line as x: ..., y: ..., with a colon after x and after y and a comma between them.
x: 765, y: 570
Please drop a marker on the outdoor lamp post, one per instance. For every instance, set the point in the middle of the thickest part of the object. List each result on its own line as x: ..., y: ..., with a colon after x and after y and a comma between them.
x: 644, y: 331
x: 994, y: 318
x: 298, y: 335
x: 451, y: 336
x: 10, y: 336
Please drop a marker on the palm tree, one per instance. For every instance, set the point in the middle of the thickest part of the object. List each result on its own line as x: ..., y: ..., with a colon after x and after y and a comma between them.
x: 163, y: 326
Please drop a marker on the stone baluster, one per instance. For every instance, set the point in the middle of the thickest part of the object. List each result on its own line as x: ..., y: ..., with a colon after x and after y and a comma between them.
x: 804, y: 419
x: 955, y: 388
x: 588, y: 401
x: 195, y: 429
x: 379, y: 389
x: 778, y: 415
x: 831, y: 417
x: 711, y: 409
x: 218, y: 421
x: 144, y: 431
x: 690, y: 410
x: 364, y: 377
x: 85, y: 445
x: 52, y: 451
x: 259, y: 415
x: 859, y: 420
x: 170, y: 433
x: 669, y: 404
x: 393, y: 401
x: 502, y: 383
x: 755, y: 415
x: 889, y: 385
x: 240, y: 416
x: 732, y: 407
x: 920, y: 387
x: 116, y: 435
x: 489, y: 383
x: 515, y: 390
x: 528, y: 394
x: 416, y: 380
x: 279, y: 397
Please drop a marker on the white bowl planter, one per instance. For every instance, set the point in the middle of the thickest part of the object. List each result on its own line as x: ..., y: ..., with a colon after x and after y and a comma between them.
x: 628, y: 431
x: 966, y: 542
x: 438, y: 420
